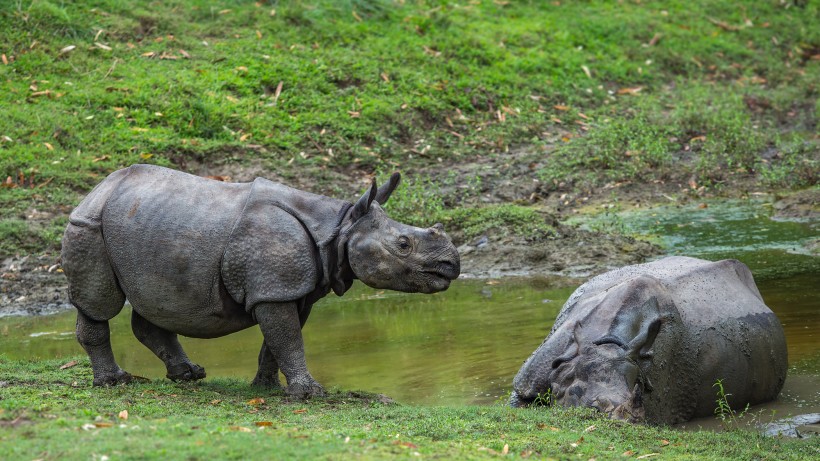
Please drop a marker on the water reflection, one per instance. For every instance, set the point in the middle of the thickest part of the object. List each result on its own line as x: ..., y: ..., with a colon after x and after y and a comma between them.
x: 459, y: 347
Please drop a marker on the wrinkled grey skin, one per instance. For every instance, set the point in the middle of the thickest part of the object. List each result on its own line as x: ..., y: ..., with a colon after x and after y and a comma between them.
x: 648, y: 342
x: 204, y: 259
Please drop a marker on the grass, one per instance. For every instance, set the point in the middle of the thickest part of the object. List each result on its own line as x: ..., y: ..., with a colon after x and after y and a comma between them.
x: 607, y: 91
x: 52, y: 413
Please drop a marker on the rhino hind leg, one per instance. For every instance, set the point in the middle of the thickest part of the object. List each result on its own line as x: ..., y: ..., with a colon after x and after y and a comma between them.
x: 267, y: 375
x: 95, y: 337
x: 165, y: 345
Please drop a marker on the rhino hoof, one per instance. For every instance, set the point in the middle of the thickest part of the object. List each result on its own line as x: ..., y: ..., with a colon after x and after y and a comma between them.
x: 119, y: 377
x: 185, y: 372
x: 305, y: 391
x: 268, y: 383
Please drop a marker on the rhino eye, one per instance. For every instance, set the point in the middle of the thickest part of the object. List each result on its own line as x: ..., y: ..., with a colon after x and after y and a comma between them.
x: 404, y: 245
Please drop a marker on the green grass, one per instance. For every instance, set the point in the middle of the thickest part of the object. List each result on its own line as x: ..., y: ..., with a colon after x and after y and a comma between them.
x: 609, y: 91
x: 49, y: 413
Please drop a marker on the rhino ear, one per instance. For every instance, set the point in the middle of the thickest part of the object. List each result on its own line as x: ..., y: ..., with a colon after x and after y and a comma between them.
x: 384, y: 192
x: 639, y: 347
x: 362, y: 206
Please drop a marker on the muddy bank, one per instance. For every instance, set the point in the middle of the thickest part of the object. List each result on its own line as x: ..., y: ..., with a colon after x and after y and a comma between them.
x: 34, y: 284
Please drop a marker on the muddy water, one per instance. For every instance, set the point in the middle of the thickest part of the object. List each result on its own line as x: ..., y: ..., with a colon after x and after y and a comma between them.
x: 464, y: 346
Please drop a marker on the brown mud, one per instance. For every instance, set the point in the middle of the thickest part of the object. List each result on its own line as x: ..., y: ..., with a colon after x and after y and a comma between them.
x: 35, y: 285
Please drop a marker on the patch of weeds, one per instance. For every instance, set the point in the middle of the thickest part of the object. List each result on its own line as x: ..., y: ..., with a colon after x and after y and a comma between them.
x: 13, y: 234
x: 543, y: 399
x: 796, y: 164
x: 609, y: 222
x: 417, y: 201
x: 619, y: 149
x: 727, y: 415
x: 509, y: 219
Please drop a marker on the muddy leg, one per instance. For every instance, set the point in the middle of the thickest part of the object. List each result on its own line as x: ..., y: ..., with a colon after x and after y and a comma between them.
x: 95, y: 337
x: 267, y: 375
x: 165, y: 345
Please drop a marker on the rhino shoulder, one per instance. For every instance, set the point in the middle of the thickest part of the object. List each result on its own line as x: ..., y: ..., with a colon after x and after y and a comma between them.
x: 270, y: 257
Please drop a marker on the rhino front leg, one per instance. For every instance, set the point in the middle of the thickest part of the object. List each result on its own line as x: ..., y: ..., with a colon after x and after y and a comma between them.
x: 95, y: 337
x: 165, y: 345
x: 267, y: 375
x: 282, y: 330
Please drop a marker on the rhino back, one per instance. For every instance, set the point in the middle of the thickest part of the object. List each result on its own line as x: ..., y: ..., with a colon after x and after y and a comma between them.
x: 165, y: 232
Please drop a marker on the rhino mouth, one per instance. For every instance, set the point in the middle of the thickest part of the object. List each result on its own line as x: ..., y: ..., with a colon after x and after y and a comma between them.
x: 444, y: 271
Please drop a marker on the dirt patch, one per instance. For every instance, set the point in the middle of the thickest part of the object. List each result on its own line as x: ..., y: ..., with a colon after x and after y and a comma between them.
x: 574, y: 253
x: 804, y: 204
x: 32, y: 285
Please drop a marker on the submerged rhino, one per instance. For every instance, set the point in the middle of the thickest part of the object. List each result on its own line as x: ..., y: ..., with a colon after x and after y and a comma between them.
x: 203, y: 258
x: 648, y: 343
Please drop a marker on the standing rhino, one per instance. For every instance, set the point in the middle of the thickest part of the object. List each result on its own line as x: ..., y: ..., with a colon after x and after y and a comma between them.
x: 648, y: 342
x: 203, y: 258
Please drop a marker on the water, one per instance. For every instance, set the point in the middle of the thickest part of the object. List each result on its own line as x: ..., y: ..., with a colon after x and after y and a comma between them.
x: 465, y: 345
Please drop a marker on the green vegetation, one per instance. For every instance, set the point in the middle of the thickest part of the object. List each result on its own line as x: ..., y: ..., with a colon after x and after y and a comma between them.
x: 597, y: 91
x: 50, y: 412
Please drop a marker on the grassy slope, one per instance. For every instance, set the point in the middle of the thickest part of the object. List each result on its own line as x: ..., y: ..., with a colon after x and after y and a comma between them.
x: 58, y: 416
x: 610, y: 91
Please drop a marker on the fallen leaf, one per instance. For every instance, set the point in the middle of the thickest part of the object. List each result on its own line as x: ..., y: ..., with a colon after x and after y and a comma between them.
x: 71, y: 363
x: 724, y: 25
x: 259, y: 35
x: 698, y: 138
x: 353, y: 113
x: 224, y: 11
x: 48, y: 146
x: 102, y: 47
x: 505, y: 450
x: 655, y: 39
x: 628, y: 453
x: 264, y: 423
x: 358, y: 18
x: 123, y: 415
x: 648, y: 455
x: 385, y: 77
x: 586, y: 71
x: 664, y: 443
x: 103, y: 424
x: 590, y: 428
x: 185, y: 54
x: 146, y: 155
x: 5, y: 59
x: 300, y: 411
x: 405, y: 444
x: 256, y: 401
x: 633, y: 90
x: 222, y: 179
x: 240, y: 428
x: 215, y: 402
x: 67, y: 49
x: 277, y: 92
x: 560, y: 107
x: 149, y: 54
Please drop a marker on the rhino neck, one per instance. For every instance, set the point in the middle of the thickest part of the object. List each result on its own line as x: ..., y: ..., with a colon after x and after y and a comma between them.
x: 333, y: 252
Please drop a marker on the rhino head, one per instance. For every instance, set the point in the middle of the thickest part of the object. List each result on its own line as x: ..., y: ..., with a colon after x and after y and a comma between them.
x: 383, y: 253
x: 600, y: 360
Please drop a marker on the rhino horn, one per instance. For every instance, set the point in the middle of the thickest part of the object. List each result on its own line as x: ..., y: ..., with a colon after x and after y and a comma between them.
x: 387, y: 188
